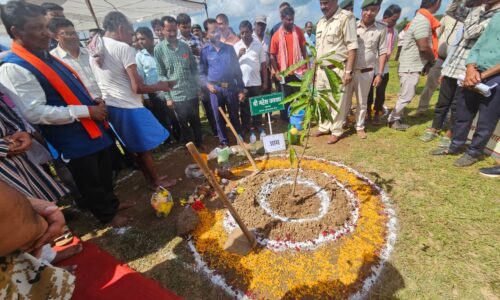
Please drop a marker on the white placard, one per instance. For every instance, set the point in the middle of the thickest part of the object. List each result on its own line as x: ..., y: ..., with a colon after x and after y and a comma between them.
x: 274, y: 143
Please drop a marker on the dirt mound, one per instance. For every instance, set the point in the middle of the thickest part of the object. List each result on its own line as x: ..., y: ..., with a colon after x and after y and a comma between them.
x: 266, y: 203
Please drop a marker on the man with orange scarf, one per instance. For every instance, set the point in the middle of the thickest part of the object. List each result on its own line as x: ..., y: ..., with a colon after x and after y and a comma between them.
x: 50, y: 94
x: 418, y: 55
x: 288, y: 46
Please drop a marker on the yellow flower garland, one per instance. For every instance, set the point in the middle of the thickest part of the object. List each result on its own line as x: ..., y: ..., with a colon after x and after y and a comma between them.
x: 340, y: 267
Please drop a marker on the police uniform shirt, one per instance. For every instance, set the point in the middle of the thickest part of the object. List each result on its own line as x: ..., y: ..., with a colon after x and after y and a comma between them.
x: 336, y: 34
x: 372, y: 42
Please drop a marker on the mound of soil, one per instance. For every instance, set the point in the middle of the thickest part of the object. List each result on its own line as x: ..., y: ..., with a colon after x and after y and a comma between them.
x: 289, y: 217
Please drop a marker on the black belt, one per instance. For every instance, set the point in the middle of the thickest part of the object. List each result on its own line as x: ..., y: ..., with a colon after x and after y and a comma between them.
x: 365, y: 70
x: 223, y: 85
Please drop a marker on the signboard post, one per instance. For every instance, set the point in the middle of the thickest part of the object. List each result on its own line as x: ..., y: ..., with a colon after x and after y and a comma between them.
x: 266, y: 104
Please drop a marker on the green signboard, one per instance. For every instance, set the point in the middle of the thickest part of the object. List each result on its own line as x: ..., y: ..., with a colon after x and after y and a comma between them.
x: 266, y: 103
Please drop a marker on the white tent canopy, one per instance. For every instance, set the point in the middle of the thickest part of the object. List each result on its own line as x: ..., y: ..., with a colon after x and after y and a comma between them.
x: 136, y: 10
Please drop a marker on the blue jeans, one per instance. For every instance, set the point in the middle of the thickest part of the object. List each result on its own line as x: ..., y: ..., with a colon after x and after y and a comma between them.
x: 469, y: 103
x: 228, y: 99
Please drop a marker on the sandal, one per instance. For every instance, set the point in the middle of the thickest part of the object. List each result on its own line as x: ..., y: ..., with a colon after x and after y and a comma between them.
x: 444, y: 142
x: 443, y: 151
x: 428, y: 136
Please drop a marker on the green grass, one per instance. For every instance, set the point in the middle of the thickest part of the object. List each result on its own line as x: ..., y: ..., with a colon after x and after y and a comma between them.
x: 448, y: 220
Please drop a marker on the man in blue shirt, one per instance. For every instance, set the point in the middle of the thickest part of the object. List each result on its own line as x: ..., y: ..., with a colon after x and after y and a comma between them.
x: 310, y: 36
x: 220, y: 72
x: 146, y: 66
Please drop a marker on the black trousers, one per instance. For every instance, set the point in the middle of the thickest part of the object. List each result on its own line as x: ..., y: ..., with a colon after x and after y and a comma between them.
x: 469, y: 103
x: 209, y: 113
x: 287, y: 91
x: 247, y: 121
x: 188, y: 115
x: 447, y: 100
x: 93, y: 177
x: 379, y: 95
x: 164, y: 115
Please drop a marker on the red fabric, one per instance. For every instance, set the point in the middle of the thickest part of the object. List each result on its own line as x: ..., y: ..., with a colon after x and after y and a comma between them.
x: 275, y: 43
x: 100, y: 276
x: 58, y: 84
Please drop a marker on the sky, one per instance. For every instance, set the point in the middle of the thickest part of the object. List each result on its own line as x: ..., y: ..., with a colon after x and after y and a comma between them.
x: 305, y: 10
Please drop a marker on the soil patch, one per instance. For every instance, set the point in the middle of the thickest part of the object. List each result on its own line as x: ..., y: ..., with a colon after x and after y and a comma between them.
x: 305, y: 205
x: 266, y: 203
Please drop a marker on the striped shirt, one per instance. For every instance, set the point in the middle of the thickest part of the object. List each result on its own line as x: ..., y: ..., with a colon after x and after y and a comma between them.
x: 474, y: 25
x: 17, y: 170
x: 410, y: 60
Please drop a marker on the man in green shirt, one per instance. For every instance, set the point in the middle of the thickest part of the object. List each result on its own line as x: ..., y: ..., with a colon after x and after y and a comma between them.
x: 175, y: 61
x: 483, y: 59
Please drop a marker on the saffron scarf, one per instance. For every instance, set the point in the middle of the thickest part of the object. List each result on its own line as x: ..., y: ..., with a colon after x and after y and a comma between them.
x: 434, y: 26
x: 283, y: 50
x: 58, y: 84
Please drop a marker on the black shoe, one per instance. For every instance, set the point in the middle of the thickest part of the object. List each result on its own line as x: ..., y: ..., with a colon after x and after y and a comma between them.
x: 397, y: 125
x: 465, y: 160
x: 492, y: 172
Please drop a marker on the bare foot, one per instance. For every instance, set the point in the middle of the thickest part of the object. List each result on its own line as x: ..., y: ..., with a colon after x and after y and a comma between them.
x: 165, y: 182
x: 125, y: 204
x: 119, y: 221
x: 67, y: 253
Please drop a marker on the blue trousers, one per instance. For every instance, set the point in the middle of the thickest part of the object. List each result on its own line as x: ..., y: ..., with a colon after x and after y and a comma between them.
x: 228, y: 99
x: 469, y: 103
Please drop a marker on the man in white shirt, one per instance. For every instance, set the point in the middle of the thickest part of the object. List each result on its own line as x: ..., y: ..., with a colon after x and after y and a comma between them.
x: 252, y: 58
x: 122, y: 86
x: 260, y: 34
x: 48, y: 94
x: 69, y: 51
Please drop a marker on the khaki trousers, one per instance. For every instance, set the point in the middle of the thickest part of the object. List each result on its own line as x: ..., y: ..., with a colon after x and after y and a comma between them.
x: 407, y: 88
x: 334, y: 127
x: 430, y: 86
x: 361, y: 84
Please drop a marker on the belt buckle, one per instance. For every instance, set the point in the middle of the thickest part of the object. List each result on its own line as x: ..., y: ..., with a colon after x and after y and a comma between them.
x: 224, y: 85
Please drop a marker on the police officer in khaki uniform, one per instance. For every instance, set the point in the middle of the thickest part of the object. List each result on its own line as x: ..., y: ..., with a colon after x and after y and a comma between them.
x: 335, y: 31
x: 372, y: 46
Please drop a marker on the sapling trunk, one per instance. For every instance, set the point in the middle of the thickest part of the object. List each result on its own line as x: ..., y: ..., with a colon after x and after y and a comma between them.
x: 308, y: 125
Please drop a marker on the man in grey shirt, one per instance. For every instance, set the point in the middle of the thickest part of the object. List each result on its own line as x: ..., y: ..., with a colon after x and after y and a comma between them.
x: 417, y: 56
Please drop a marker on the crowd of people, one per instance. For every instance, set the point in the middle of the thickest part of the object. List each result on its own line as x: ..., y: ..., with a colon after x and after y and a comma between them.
x: 134, y: 90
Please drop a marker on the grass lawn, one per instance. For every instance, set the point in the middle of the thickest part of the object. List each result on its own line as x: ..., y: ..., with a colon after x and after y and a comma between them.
x: 448, y: 244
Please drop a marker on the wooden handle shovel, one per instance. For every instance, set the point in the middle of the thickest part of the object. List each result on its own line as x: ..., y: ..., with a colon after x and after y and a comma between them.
x: 252, y: 242
x: 240, y: 142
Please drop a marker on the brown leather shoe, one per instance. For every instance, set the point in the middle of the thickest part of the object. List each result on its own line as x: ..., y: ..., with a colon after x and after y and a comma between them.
x: 361, y: 134
x: 319, y: 133
x: 332, y: 139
